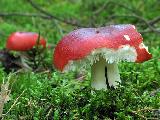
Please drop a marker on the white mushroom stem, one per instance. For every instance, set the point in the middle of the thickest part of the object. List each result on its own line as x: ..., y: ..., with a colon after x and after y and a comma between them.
x: 98, y: 74
x: 24, y: 64
x: 113, y: 74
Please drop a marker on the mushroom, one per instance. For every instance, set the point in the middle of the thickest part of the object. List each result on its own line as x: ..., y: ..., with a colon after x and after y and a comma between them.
x: 99, y: 48
x: 25, y: 42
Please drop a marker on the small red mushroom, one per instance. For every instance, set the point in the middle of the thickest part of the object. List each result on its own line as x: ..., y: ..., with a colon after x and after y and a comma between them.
x: 24, y: 41
x: 100, y: 47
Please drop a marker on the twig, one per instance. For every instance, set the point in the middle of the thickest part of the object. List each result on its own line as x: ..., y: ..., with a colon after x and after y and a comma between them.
x: 149, y: 30
x: 147, y: 109
x: 58, y: 27
x: 144, y: 110
x: 24, y: 14
x: 38, y: 8
x: 14, y: 103
x: 154, y: 20
x: 102, y: 8
x: 115, y: 4
x: 38, y: 16
x: 141, y: 116
x: 148, y: 23
x: 49, y: 113
x: 124, y: 6
x: 4, y: 95
x: 152, y: 29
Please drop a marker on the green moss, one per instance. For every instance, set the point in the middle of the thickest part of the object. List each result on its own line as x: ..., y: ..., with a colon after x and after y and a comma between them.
x: 53, y: 95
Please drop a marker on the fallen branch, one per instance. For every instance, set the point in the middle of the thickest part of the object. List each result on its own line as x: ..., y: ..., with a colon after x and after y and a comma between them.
x: 51, y: 16
x: 143, y: 20
x: 24, y: 14
x: 44, y: 14
x: 105, y: 5
x: 149, y: 31
x: 147, y: 23
x: 150, y: 23
x: 154, y: 20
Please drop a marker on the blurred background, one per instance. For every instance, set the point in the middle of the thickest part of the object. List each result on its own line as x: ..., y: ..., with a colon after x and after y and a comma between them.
x: 54, y: 18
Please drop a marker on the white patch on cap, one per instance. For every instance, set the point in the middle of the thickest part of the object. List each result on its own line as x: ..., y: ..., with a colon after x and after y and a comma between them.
x: 133, y: 27
x: 123, y: 53
x: 126, y: 37
x: 141, y: 46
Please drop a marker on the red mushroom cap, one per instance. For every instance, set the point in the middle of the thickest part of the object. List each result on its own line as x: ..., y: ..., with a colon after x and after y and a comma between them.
x: 82, y: 42
x: 23, y: 41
